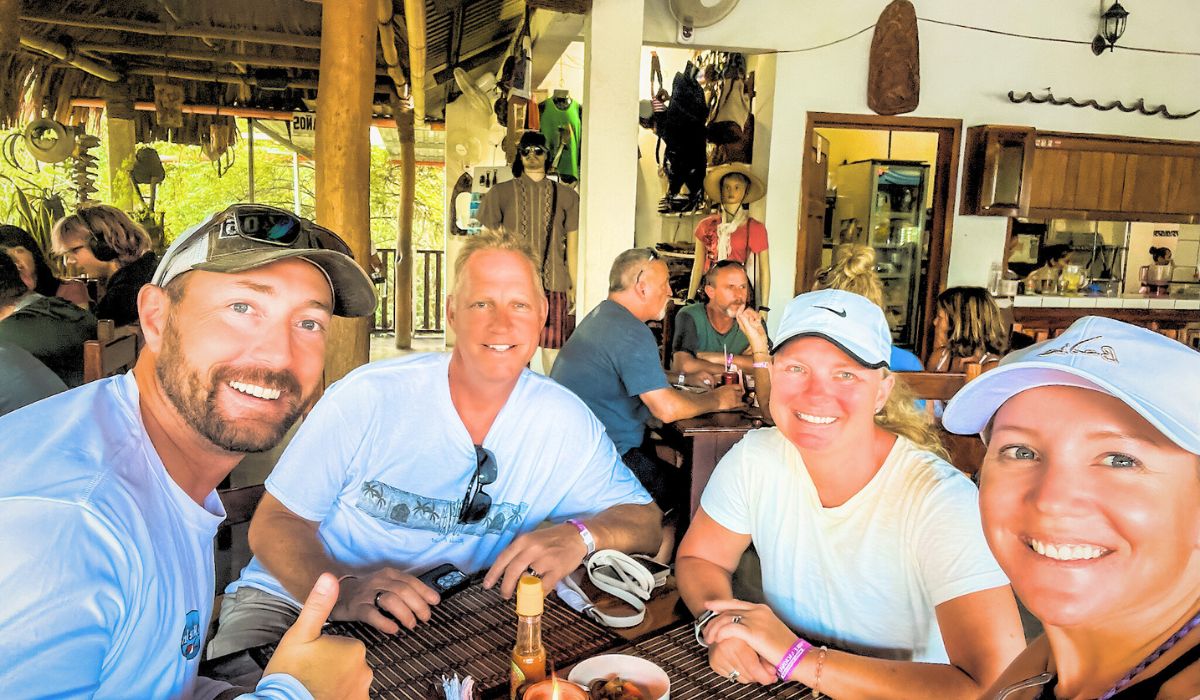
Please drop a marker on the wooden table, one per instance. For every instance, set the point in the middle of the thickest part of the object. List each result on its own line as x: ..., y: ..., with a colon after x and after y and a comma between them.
x: 705, y: 439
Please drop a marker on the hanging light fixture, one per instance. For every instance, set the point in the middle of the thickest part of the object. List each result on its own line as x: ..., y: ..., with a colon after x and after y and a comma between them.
x: 1114, y: 26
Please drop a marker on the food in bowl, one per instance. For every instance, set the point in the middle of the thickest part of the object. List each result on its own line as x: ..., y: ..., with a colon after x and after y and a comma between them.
x: 615, y: 688
x: 638, y: 678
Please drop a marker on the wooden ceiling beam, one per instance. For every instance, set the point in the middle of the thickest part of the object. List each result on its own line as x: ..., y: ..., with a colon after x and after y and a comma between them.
x: 194, y: 32
x: 414, y: 18
x: 208, y: 77
x: 239, y: 112
x: 387, y: 44
x: 184, y: 55
x: 68, y: 56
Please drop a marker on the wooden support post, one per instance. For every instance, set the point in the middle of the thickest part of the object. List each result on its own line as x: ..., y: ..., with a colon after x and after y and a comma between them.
x: 343, y: 154
x: 404, y: 240
x: 121, y: 144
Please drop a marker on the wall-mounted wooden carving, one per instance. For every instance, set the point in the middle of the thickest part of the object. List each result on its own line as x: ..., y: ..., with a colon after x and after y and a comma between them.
x: 894, y: 72
x: 1139, y: 106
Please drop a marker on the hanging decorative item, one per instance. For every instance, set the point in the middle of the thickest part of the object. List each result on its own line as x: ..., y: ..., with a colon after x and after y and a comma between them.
x: 83, y: 175
x: 1139, y: 106
x: 49, y: 141
x: 217, y: 147
x: 894, y: 71
x: 168, y: 105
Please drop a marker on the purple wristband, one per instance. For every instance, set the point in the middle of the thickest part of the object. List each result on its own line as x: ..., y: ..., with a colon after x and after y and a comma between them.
x: 792, y: 658
x: 589, y: 542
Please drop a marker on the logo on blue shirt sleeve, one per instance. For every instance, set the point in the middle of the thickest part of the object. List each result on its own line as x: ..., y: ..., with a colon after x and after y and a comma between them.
x: 189, y: 646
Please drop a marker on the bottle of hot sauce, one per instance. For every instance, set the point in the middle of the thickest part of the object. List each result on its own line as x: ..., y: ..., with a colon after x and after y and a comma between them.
x: 528, y: 656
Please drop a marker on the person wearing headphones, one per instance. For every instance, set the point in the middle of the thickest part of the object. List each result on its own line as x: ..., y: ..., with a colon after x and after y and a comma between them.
x: 108, y: 245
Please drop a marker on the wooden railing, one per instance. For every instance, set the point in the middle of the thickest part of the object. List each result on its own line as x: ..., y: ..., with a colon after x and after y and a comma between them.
x: 429, y: 294
x: 429, y: 278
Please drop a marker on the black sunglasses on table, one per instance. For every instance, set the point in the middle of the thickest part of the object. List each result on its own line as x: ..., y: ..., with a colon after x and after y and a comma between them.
x: 476, y: 503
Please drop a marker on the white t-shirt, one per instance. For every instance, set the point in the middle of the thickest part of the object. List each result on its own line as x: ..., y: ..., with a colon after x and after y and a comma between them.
x: 383, y: 463
x: 106, y: 565
x: 865, y: 575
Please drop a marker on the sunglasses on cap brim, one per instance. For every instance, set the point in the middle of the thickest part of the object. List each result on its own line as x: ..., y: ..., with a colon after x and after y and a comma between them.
x: 267, y: 225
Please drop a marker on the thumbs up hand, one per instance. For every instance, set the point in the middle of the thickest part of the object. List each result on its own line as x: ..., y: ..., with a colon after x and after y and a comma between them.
x: 329, y: 667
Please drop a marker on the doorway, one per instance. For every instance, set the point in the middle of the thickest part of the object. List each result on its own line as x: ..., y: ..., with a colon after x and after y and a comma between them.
x: 891, y: 185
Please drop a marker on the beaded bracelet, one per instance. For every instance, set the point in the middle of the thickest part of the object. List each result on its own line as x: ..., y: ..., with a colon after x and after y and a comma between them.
x: 816, y: 687
x: 792, y: 658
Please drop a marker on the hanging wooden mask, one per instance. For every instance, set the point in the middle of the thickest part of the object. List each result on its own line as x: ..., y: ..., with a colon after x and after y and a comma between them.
x: 894, y: 71
x: 220, y: 138
x: 168, y: 105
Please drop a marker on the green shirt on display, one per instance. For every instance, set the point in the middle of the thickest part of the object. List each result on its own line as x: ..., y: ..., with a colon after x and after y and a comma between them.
x: 570, y: 119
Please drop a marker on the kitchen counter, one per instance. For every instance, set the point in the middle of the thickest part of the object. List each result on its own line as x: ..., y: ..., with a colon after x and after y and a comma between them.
x: 1189, y: 301
x: 1053, y: 313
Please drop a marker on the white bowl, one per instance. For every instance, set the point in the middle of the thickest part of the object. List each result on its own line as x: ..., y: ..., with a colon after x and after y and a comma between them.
x: 645, y: 674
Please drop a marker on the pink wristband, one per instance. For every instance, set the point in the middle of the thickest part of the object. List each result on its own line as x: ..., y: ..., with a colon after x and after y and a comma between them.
x: 589, y: 542
x: 792, y: 658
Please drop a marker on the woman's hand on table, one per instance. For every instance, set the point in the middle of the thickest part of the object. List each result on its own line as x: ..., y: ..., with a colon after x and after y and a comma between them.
x: 328, y: 667
x: 401, y: 595
x: 730, y: 655
x: 756, y: 626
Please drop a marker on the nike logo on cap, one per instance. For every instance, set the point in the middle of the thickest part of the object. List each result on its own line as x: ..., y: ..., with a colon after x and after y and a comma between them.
x: 841, y: 313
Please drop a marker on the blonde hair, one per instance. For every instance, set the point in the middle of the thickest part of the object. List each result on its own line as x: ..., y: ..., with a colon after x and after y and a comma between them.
x: 495, y: 239
x: 106, y: 223
x: 900, y: 416
x: 853, y: 270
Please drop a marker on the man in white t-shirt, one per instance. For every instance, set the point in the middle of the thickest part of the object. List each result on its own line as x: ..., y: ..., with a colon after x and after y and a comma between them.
x: 431, y: 459
x: 108, y: 505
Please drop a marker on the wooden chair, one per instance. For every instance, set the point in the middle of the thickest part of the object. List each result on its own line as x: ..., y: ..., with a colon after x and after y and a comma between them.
x: 240, y: 504
x: 933, y: 386
x: 966, y: 451
x: 114, y: 351
x: 1038, y: 334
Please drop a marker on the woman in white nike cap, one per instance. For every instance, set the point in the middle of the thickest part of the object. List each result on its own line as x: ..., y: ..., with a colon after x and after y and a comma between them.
x: 870, y: 541
x: 1090, y: 497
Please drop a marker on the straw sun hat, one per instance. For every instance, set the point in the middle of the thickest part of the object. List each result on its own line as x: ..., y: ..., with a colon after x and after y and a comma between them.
x: 712, y: 182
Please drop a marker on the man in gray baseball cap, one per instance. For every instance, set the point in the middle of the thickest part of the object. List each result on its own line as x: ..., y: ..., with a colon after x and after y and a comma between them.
x: 117, y: 478
x: 246, y: 236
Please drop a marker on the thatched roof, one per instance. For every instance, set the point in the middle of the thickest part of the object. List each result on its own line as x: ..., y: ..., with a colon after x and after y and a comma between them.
x: 251, y: 53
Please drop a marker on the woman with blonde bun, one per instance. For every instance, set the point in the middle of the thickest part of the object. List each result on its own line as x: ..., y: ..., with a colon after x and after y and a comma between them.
x: 853, y: 270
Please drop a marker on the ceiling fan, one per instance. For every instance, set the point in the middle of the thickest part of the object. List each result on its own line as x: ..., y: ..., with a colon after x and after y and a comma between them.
x: 693, y: 14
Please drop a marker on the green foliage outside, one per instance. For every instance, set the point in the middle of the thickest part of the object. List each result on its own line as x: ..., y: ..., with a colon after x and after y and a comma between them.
x: 193, y: 190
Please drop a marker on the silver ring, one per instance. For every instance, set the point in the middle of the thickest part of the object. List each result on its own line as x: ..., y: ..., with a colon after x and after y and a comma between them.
x: 533, y: 573
x: 736, y: 619
x: 733, y: 675
x: 377, y: 594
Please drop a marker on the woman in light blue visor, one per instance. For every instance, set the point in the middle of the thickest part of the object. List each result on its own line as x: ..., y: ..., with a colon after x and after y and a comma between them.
x: 1090, y: 499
